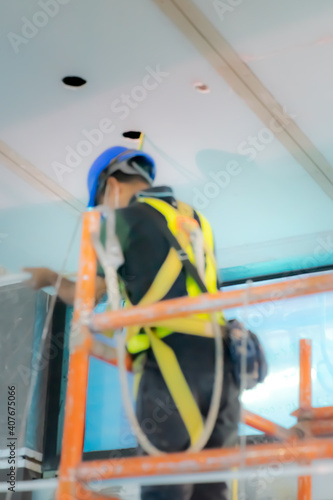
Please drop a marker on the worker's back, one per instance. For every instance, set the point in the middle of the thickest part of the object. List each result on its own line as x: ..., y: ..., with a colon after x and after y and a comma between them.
x: 144, y: 229
x: 144, y: 246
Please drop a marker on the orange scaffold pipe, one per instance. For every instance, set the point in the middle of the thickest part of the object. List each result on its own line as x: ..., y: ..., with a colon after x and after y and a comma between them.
x: 73, y: 472
x: 305, y: 403
x: 264, y: 425
x: 314, y: 413
x: 80, y: 348
x: 205, y: 461
x: 185, y: 306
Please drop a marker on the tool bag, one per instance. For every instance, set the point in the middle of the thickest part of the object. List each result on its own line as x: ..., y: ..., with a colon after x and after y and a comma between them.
x: 255, y: 360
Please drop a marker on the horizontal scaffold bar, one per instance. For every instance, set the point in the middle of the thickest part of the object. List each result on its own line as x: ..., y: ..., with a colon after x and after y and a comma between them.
x: 185, y: 306
x: 266, y: 426
x: 205, y: 461
x: 325, y: 412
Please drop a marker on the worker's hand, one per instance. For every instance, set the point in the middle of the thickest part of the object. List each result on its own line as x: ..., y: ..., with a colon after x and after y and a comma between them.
x: 40, y: 277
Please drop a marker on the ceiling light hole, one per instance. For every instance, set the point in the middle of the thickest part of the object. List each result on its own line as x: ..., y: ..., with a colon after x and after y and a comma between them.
x: 74, y: 81
x: 132, y: 134
x: 201, y: 87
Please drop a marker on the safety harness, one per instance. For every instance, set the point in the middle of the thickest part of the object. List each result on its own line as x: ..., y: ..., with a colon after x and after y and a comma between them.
x: 183, y: 233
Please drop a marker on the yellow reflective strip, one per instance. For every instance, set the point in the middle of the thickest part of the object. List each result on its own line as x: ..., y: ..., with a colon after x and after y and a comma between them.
x: 164, y: 279
x: 211, y: 277
x: 192, y: 287
x: 138, y: 343
x: 200, y: 325
x: 161, y: 331
x: 161, y: 285
x: 136, y: 383
x: 221, y: 318
x: 207, y: 230
x: 170, y: 213
x: 235, y: 487
x: 191, y: 326
x: 211, y: 265
x: 210, y: 252
x: 138, y: 365
x: 165, y: 209
x: 178, y: 387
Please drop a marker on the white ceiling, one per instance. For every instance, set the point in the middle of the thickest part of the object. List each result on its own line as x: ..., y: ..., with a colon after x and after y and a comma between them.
x: 288, y: 45
x: 272, y: 209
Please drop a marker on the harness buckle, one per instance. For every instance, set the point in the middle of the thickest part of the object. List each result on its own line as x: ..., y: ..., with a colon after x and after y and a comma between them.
x: 182, y: 255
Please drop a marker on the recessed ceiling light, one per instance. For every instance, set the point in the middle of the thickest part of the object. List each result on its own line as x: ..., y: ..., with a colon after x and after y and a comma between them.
x: 132, y: 134
x: 73, y: 81
x: 201, y: 87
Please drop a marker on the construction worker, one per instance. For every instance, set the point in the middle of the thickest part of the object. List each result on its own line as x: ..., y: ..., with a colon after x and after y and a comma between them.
x: 159, y: 263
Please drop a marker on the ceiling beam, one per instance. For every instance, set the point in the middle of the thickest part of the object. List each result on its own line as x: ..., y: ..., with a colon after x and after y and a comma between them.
x: 211, y: 44
x: 30, y: 174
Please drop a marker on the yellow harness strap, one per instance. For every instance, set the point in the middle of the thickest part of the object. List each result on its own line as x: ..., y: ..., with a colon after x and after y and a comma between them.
x: 164, y: 279
x: 196, y: 325
x: 191, y: 326
x: 178, y: 387
x: 161, y: 285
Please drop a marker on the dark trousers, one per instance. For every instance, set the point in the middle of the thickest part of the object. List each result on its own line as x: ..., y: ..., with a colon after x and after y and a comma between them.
x: 161, y: 422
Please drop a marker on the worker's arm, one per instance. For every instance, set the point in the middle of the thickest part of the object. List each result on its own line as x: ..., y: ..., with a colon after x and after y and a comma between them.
x: 42, y: 277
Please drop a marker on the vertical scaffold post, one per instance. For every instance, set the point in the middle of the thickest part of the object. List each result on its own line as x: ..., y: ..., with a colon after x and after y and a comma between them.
x: 80, y: 345
x: 305, y: 403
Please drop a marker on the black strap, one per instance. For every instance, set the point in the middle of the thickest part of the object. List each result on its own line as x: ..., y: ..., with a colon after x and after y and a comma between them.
x: 189, y: 267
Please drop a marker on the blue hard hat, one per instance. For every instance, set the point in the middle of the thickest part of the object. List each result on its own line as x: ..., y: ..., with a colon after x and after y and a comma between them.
x: 115, y: 158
